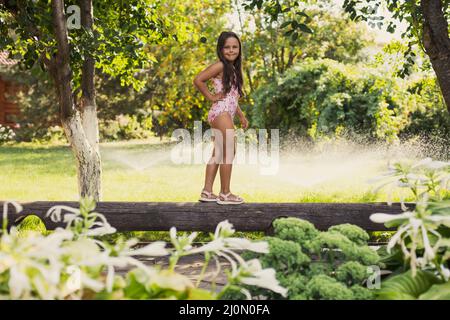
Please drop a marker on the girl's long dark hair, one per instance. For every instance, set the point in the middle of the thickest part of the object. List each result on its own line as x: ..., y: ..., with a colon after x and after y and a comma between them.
x: 232, y: 71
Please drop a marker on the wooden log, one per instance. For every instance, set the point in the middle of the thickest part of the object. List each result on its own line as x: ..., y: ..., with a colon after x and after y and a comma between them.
x: 188, y: 216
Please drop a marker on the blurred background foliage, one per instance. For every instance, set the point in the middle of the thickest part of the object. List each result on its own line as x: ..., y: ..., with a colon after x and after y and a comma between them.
x: 334, y: 78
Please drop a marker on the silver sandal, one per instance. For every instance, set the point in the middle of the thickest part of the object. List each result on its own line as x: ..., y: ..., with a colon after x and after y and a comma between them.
x: 226, y: 199
x: 207, y: 196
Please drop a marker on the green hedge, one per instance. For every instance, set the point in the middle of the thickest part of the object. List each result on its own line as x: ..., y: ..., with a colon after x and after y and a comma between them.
x: 326, y: 98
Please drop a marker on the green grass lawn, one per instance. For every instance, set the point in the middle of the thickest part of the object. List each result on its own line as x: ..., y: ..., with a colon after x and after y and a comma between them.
x: 142, y: 171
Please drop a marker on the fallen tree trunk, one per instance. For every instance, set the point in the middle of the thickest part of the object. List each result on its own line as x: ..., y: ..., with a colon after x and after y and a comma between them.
x: 187, y: 216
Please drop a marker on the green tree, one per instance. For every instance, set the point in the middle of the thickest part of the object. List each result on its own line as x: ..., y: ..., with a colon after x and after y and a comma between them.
x: 427, y: 26
x: 427, y: 22
x: 169, y: 89
x: 327, y: 98
x: 167, y: 96
x: 269, y: 54
x: 62, y: 38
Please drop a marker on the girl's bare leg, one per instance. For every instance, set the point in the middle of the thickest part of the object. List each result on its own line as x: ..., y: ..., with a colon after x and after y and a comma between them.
x: 225, y: 146
x: 211, y: 172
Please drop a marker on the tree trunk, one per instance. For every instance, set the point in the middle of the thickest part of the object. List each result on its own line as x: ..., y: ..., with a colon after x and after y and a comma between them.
x: 84, y: 142
x: 250, y: 81
x: 437, y: 43
x: 88, y: 159
x: 88, y: 104
x: 292, y: 56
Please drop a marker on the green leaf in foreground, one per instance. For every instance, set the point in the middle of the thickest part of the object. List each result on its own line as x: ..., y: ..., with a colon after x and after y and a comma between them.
x: 32, y: 223
x: 437, y: 292
x: 406, y: 287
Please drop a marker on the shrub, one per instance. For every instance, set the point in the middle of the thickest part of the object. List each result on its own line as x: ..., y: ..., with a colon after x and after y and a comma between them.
x: 354, y: 233
x: 420, y: 246
x: 300, y: 231
x: 125, y: 127
x: 323, y: 287
x: 6, y: 134
x: 322, y: 98
x: 318, y: 265
x: 55, y: 134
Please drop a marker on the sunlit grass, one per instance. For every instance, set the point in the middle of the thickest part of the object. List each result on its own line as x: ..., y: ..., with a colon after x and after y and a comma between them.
x: 142, y: 171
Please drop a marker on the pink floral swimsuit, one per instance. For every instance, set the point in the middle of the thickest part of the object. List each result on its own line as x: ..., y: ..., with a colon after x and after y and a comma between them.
x: 228, y: 104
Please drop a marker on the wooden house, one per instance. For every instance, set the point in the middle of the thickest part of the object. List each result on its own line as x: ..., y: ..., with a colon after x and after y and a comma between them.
x: 8, y: 110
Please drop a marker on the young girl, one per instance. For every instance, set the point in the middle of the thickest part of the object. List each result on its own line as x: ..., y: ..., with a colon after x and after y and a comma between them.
x: 226, y: 75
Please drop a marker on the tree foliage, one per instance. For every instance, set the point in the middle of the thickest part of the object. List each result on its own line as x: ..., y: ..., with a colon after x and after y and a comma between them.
x: 118, y: 47
x: 143, y: 66
x: 269, y: 54
x: 326, y: 98
x: 427, y: 25
x: 407, y: 12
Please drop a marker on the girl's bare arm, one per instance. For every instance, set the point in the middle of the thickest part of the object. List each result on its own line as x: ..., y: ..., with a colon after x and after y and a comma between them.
x: 200, y: 80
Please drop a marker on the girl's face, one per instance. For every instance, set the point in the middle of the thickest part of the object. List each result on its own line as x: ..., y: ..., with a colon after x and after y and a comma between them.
x: 231, y: 49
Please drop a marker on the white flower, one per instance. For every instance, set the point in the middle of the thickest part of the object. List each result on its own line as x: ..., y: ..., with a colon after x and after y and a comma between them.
x: 154, y: 249
x: 33, y: 262
x: 162, y: 279
x: 247, y: 294
x: 212, y: 246
x: 71, y: 218
x: 429, y: 252
x: 18, y: 282
x: 182, y: 243
x: 444, y: 182
x: 55, y: 213
x: 87, y: 281
x: 384, y: 217
x: 445, y: 272
x: 233, y: 244
x: 245, y: 244
x: 85, y: 252
x: 415, y: 224
x: 413, y: 176
x: 224, y: 229
x: 123, y: 257
x: 403, y: 184
x: 440, y: 219
x: 223, y: 245
x: 99, y: 227
x: 173, y: 234
x: 253, y: 274
x: 233, y: 264
x: 170, y: 280
x: 396, y: 238
x: 100, y: 231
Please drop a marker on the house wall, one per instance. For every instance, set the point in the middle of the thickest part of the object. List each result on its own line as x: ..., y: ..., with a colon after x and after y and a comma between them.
x: 8, y: 110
